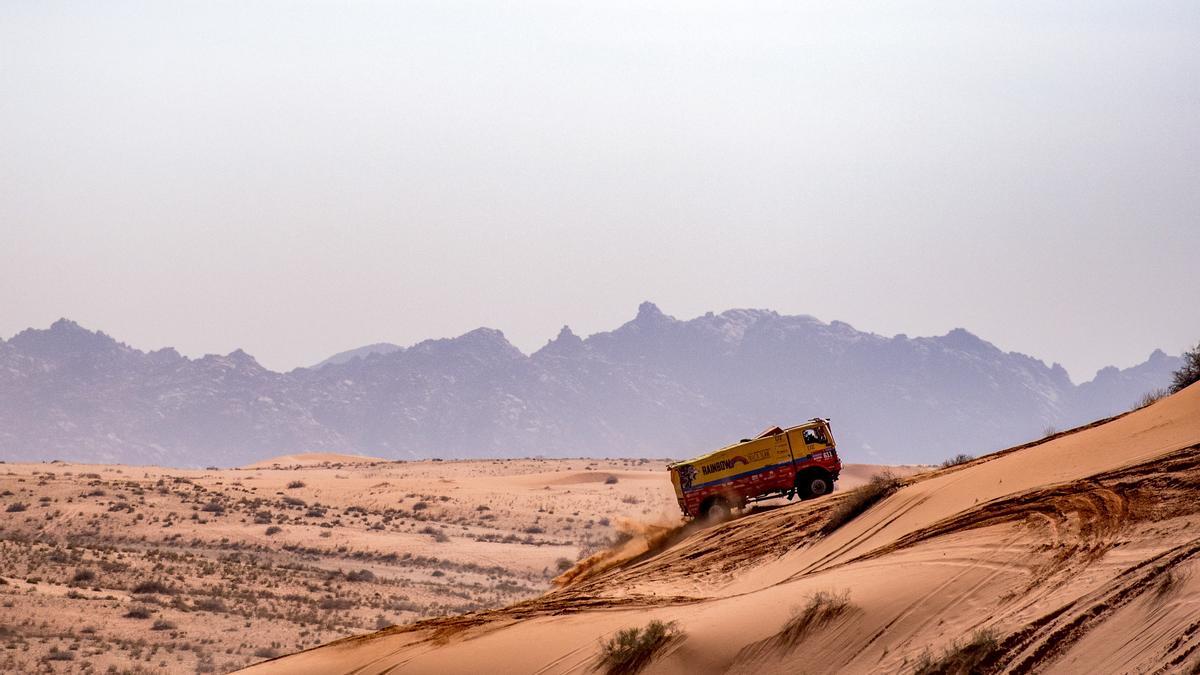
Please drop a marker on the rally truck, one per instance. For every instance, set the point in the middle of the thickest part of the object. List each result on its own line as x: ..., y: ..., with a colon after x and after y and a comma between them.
x: 797, y: 462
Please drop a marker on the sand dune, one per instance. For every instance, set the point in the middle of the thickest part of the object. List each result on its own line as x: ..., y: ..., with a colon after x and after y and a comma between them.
x: 1075, y: 554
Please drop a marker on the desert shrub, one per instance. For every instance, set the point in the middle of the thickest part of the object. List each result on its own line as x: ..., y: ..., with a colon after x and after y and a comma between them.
x: 295, y: 485
x: 611, y: 480
x: 139, y: 612
x: 563, y: 564
x: 262, y: 518
x: 382, y: 622
x: 60, y: 655
x: 16, y: 507
x: 294, y: 501
x: 209, y: 605
x: 360, y: 575
x: 83, y: 575
x: 972, y: 656
x: 273, y: 530
x: 163, y: 624
x: 420, y: 506
x: 335, y: 603
x: 153, y: 586
x: 1150, y: 397
x: 213, y: 507
x: 315, y: 513
x: 957, y: 459
x: 534, y: 529
x: 861, y: 498
x: 438, y: 535
x: 632, y: 649
x: 266, y: 652
x: 1189, y: 372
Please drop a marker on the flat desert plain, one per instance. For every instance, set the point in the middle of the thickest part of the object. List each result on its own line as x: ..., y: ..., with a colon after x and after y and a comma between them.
x: 146, y: 569
x: 1074, y: 554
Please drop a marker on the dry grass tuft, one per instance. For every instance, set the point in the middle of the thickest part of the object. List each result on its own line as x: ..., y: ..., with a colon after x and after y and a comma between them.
x: 821, y: 610
x: 963, y: 658
x: 1150, y: 398
x: 632, y: 649
x: 858, y: 500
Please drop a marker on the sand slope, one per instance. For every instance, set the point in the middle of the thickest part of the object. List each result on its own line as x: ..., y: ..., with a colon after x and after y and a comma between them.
x: 1076, y: 552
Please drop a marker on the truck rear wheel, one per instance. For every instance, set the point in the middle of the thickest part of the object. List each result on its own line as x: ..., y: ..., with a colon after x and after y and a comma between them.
x: 812, y: 485
x: 716, y: 510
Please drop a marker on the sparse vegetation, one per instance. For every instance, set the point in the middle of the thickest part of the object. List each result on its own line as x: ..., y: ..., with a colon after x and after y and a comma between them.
x: 1150, y: 398
x: 1189, y: 372
x: 295, y: 485
x: 821, y: 609
x: 153, y: 587
x: 83, y: 576
x: 964, y: 658
x: 861, y: 498
x: 632, y: 649
x: 610, y: 480
x: 139, y: 612
x: 957, y: 460
x: 205, y: 582
x: 360, y: 575
x: 16, y: 507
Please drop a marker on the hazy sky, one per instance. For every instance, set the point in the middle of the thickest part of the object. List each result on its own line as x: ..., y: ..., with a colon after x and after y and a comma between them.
x: 301, y: 178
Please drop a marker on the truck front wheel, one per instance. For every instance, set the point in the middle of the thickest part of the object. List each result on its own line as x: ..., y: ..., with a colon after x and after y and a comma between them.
x: 814, y: 484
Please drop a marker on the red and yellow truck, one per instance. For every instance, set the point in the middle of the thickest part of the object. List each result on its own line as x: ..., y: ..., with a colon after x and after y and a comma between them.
x: 799, y: 461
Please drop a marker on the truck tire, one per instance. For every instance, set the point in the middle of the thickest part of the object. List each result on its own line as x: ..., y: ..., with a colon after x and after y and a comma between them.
x: 814, y: 484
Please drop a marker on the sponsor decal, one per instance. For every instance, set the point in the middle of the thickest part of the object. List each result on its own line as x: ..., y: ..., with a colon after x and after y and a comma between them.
x: 723, y: 465
x: 687, y: 474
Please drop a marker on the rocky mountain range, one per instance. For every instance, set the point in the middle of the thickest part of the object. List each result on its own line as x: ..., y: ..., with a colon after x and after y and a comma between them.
x: 656, y: 386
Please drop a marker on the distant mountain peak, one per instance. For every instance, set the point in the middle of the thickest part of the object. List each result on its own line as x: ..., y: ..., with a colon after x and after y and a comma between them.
x: 649, y: 312
x: 62, y: 337
x: 565, y: 344
x: 379, y: 348
x: 965, y: 340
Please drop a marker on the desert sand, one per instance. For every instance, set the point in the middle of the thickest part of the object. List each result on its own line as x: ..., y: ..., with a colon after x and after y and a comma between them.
x: 170, y: 570
x: 1075, y: 554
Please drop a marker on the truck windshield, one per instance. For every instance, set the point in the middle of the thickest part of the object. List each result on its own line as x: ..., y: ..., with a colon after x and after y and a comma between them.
x: 815, y: 436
